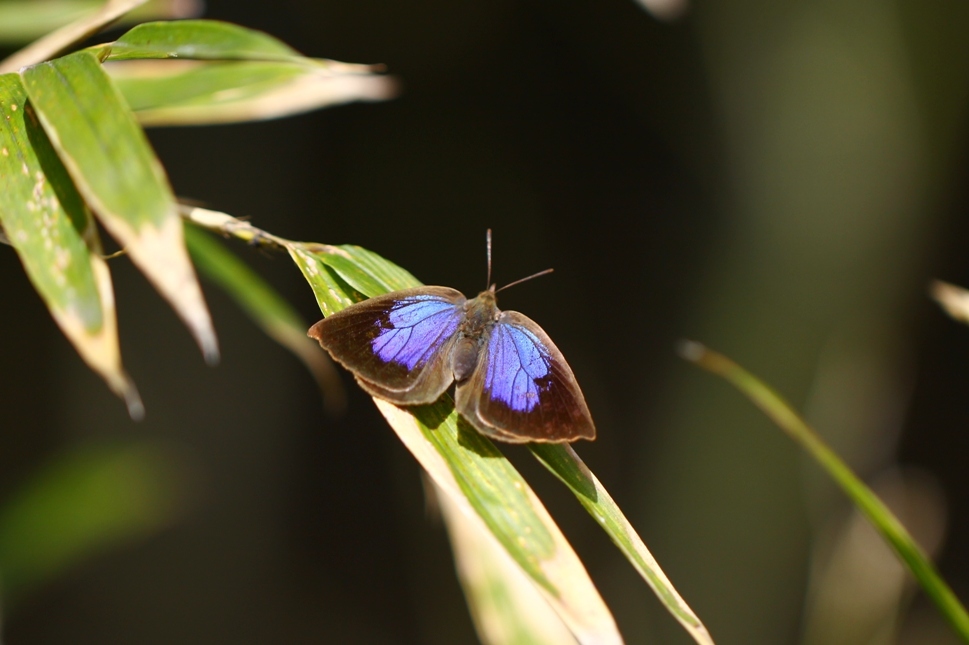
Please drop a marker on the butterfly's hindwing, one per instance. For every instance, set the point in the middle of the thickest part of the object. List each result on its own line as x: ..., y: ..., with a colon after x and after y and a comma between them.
x: 397, y: 345
x: 522, y: 389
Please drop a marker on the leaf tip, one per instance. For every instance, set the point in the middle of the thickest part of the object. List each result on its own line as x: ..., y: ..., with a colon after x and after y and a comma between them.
x: 954, y: 300
x: 691, y: 350
x: 136, y: 409
x: 123, y: 386
x: 210, y: 350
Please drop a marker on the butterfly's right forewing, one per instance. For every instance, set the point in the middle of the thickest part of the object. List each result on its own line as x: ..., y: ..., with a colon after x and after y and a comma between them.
x: 397, y: 345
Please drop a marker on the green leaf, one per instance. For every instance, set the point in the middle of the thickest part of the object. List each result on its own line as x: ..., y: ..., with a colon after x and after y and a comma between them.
x: 85, y: 503
x: 157, y: 85
x: 505, y: 605
x: 267, y: 309
x: 166, y: 93
x: 56, y: 42
x: 48, y: 225
x: 482, y: 483
x: 343, y: 261
x: 115, y: 170
x: 332, y: 293
x: 565, y: 464
x: 200, y: 40
x: 25, y: 20
x: 884, y: 521
x: 366, y: 271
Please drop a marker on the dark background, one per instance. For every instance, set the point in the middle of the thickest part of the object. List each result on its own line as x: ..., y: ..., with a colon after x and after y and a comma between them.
x: 780, y: 182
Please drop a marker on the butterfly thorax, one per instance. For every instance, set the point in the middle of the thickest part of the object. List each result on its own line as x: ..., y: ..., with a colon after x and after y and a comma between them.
x: 480, y: 315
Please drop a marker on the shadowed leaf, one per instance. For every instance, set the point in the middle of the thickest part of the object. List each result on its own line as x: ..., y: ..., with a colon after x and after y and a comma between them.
x: 52, y: 231
x: 118, y: 175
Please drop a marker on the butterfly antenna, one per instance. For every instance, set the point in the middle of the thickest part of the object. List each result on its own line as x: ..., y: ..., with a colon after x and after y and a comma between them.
x: 525, y: 279
x: 488, y: 246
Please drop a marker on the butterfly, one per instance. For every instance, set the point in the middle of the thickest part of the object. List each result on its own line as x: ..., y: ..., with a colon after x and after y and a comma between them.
x: 409, y: 346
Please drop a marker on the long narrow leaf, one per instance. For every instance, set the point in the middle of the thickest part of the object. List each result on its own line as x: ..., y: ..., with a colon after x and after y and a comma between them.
x: 115, y: 169
x: 24, y: 20
x: 505, y: 605
x: 50, y: 228
x: 481, y: 482
x: 71, y: 34
x: 172, y: 93
x: 199, y: 40
x: 572, y: 471
x: 898, y: 538
x: 238, y: 75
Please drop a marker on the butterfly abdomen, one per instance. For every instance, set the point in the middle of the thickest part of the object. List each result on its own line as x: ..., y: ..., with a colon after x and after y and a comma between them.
x: 480, y: 315
x: 464, y: 357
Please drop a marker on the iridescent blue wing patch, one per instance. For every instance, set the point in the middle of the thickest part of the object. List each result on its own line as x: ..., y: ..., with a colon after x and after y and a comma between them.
x: 397, y: 345
x: 522, y: 389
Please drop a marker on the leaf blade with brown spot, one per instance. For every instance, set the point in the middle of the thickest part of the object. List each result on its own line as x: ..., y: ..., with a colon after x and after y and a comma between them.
x: 117, y: 173
x: 52, y: 233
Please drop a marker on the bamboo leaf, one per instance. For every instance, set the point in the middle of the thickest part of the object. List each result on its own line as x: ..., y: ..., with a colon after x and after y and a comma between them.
x: 167, y: 93
x: 24, y: 20
x: 881, y: 517
x: 115, y: 170
x: 199, y: 40
x: 565, y: 464
x: 481, y: 482
x: 345, y: 262
x: 53, y: 234
x: 247, y: 75
x: 505, y: 605
x: 153, y: 85
x: 332, y: 293
x: 368, y: 263
x: 71, y: 34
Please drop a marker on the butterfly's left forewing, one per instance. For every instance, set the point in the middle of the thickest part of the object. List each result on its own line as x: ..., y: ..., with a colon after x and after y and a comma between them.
x: 522, y: 389
x: 397, y: 345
